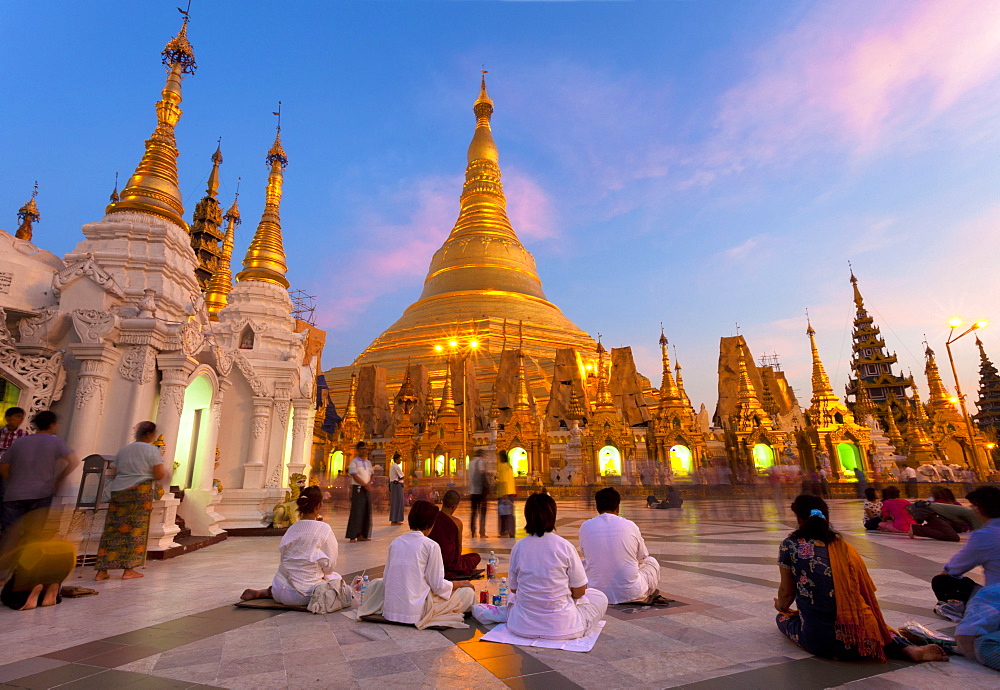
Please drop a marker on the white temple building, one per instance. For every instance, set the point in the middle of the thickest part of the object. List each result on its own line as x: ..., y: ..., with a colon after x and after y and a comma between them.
x: 142, y: 321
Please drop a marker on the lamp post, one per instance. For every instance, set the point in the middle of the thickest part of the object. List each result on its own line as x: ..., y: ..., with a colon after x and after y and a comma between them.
x: 454, y: 346
x: 955, y: 323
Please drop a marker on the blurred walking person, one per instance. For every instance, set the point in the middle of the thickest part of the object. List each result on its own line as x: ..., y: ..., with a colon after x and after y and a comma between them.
x: 478, y: 492
x: 134, y: 471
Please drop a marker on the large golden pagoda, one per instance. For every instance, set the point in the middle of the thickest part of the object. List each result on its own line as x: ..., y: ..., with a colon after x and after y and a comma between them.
x: 481, y: 277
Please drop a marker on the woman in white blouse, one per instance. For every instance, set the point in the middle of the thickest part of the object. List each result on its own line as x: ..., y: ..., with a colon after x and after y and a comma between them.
x: 413, y: 589
x: 308, y: 555
x: 552, y: 600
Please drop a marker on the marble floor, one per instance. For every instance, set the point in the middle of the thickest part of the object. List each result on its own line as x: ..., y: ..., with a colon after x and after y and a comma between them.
x: 177, y: 628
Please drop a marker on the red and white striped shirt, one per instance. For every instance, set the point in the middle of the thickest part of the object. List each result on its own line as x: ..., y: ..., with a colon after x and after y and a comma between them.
x: 8, y: 436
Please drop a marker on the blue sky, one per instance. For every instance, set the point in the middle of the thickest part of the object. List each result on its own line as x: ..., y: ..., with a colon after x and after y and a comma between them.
x: 695, y: 163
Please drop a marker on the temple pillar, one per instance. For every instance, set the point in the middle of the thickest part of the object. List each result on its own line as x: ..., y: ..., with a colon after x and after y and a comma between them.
x: 138, y: 366
x: 301, y: 416
x: 96, y: 363
x: 255, y: 464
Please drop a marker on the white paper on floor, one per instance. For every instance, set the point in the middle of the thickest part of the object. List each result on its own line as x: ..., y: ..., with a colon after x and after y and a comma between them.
x: 580, y: 644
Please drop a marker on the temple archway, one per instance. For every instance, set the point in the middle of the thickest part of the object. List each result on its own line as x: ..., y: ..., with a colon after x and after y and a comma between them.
x: 518, y: 461
x: 336, y: 463
x: 763, y: 456
x: 849, y: 456
x: 681, y: 461
x: 193, y: 433
x: 439, y: 466
x: 609, y: 461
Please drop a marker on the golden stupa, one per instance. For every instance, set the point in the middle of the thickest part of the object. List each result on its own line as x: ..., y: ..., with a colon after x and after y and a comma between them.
x: 482, y: 286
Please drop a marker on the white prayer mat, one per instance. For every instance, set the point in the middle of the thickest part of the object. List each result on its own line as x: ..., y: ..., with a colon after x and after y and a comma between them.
x: 580, y: 644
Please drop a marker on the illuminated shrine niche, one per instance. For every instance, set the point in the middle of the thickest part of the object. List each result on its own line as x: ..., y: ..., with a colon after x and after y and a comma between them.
x: 439, y: 465
x: 681, y: 461
x: 763, y: 456
x: 518, y: 461
x: 9, y: 395
x: 609, y: 459
x: 192, y: 435
x: 336, y: 462
x: 850, y: 458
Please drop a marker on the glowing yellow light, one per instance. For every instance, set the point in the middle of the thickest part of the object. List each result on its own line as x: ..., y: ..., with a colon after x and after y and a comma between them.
x: 439, y: 348
x: 982, y: 323
x: 452, y: 343
x: 589, y: 367
x: 953, y: 400
x: 474, y: 344
x: 955, y: 322
x: 991, y: 446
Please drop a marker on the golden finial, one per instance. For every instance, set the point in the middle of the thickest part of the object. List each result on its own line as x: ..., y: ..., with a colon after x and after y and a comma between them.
x: 522, y: 401
x: 153, y: 188
x: 938, y: 394
x: 212, y: 189
x: 26, y: 215
x: 221, y: 284
x: 668, y: 389
x: 447, y: 396
x: 114, y: 193
x: 265, y: 258
x: 351, y: 411
x: 603, y: 397
x: 483, y: 147
x: 859, y: 302
x: 821, y: 388
x: 916, y: 427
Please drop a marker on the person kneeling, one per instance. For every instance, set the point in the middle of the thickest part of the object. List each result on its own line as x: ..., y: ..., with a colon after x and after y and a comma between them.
x: 308, y: 559
x: 838, y: 616
x: 615, y: 556
x: 447, y: 533
x: 413, y: 589
x: 551, y: 598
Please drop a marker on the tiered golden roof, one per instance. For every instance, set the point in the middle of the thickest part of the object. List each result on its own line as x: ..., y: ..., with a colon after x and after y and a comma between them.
x: 481, y: 275
x: 26, y: 216
x: 749, y: 412
x: 206, y: 226
x: 221, y: 284
x: 153, y: 187
x: 265, y: 258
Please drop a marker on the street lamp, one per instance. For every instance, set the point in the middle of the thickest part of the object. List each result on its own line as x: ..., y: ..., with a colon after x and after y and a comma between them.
x: 956, y: 323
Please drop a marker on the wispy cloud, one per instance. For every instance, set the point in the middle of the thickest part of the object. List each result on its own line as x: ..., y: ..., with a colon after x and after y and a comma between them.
x: 745, y: 250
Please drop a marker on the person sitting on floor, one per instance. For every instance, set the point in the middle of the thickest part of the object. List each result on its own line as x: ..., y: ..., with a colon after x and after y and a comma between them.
x: 37, y: 567
x: 413, y: 589
x: 673, y: 499
x: 895, y: 517
x: 551, y: 598
x: 838, y: 616
x: 952, y: 589
x: 447, y: 533
x: 872, y: 509
x: 615, y: 556
x: 929, y: 524
x: 962, y: 518
x: 652, y: 501
x: 978, y: 633
x: 308, y: 555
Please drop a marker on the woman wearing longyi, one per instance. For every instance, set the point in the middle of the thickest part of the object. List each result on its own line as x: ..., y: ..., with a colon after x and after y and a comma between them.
x: 838, y: 616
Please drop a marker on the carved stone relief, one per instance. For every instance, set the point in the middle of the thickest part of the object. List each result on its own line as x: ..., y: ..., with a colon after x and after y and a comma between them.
x: 92, y: 325
x: 172, y: 395
x: 88, y: 268
x: 44, y: 374
x: 138, y: 364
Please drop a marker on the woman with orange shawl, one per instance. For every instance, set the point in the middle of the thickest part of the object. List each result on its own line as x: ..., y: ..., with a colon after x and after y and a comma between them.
x: 838, y: 616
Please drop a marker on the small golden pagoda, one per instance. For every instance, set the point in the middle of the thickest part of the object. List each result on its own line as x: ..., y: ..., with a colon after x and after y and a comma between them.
x: 27, y: 215
x: 206, y: 226
x: 945, y: 423
x: 677, y: 441
x: 265, y: 257
x: 830, y: 427
x: 920, y: 446
x: 218, y: 288
x: 757, y: 440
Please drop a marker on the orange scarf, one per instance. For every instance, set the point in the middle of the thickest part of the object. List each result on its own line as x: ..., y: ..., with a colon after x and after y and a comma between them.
x: 859, y: 619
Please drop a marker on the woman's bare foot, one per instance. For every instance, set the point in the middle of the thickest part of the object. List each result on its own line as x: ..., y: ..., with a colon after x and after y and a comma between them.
x: 130, y: 574
x: 354, y: 541
x: 927, y: 652
x: 51, y: 594
x: 102, y: 575
x: 32, y: 601
x: 250, y: 594
x: 912, y: 535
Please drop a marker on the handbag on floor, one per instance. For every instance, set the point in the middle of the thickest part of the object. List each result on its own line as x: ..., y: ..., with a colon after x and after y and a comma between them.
x: 330, y: 595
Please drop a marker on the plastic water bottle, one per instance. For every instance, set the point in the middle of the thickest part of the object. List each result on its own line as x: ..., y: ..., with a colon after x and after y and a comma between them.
x: 364, y: 588
x: 491, y: 565
x: 503, y: 591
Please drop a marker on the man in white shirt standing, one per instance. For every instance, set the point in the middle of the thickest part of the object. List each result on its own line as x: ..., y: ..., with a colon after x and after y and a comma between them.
x: 412, y: 589
x: 614, y: 554
x: 910, y: 479
x: 359, y: 524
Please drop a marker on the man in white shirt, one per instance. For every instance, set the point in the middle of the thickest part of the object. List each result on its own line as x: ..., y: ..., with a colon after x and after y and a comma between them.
x: 412, y: 589
x: 359, y: 524
x: 910, y: 480
x: 614, y: 554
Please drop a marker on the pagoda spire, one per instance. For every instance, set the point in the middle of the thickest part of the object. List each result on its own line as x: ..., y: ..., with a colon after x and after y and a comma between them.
x: 265, y: 258
x: 603, y: 398
x: 919, y: 439
x: 891, y: 428
x: 938, y: 395
x: 115, y: 197
x: 680, y: 382
x: 351, y: 410
x: 521, y: 401
x: 447, y: 395
x: 821, y: 388
x: 668, y: 389
x: 483, y: 251
x: 870, y: 360
x: 863, y: 405
x: 749, y: 411
x: 218, y: 288
x: 28, y: 215
x: 988, y: 404
x: 153, y: 188
x: 206, y: 225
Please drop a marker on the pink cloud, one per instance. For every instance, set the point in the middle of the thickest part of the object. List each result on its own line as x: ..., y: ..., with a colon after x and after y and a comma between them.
x: 833, y: 81
x: 529, y: 206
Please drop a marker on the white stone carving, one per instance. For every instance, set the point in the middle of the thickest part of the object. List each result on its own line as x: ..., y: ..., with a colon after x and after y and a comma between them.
x: 44, y: 374
x: 192, y: 339
x: 88, y: 268
x: 248, y: 371
x: 42, y: 329
x: 259, y: 426
x: 138, y: 364
x: 91, y: 388
x: 281, y: 410
x: 172, y: 394
x: 147, y: 305
x: 223, y: 360
x: 275, y: 479
x: 238, y: 325
x: 92, y: 325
